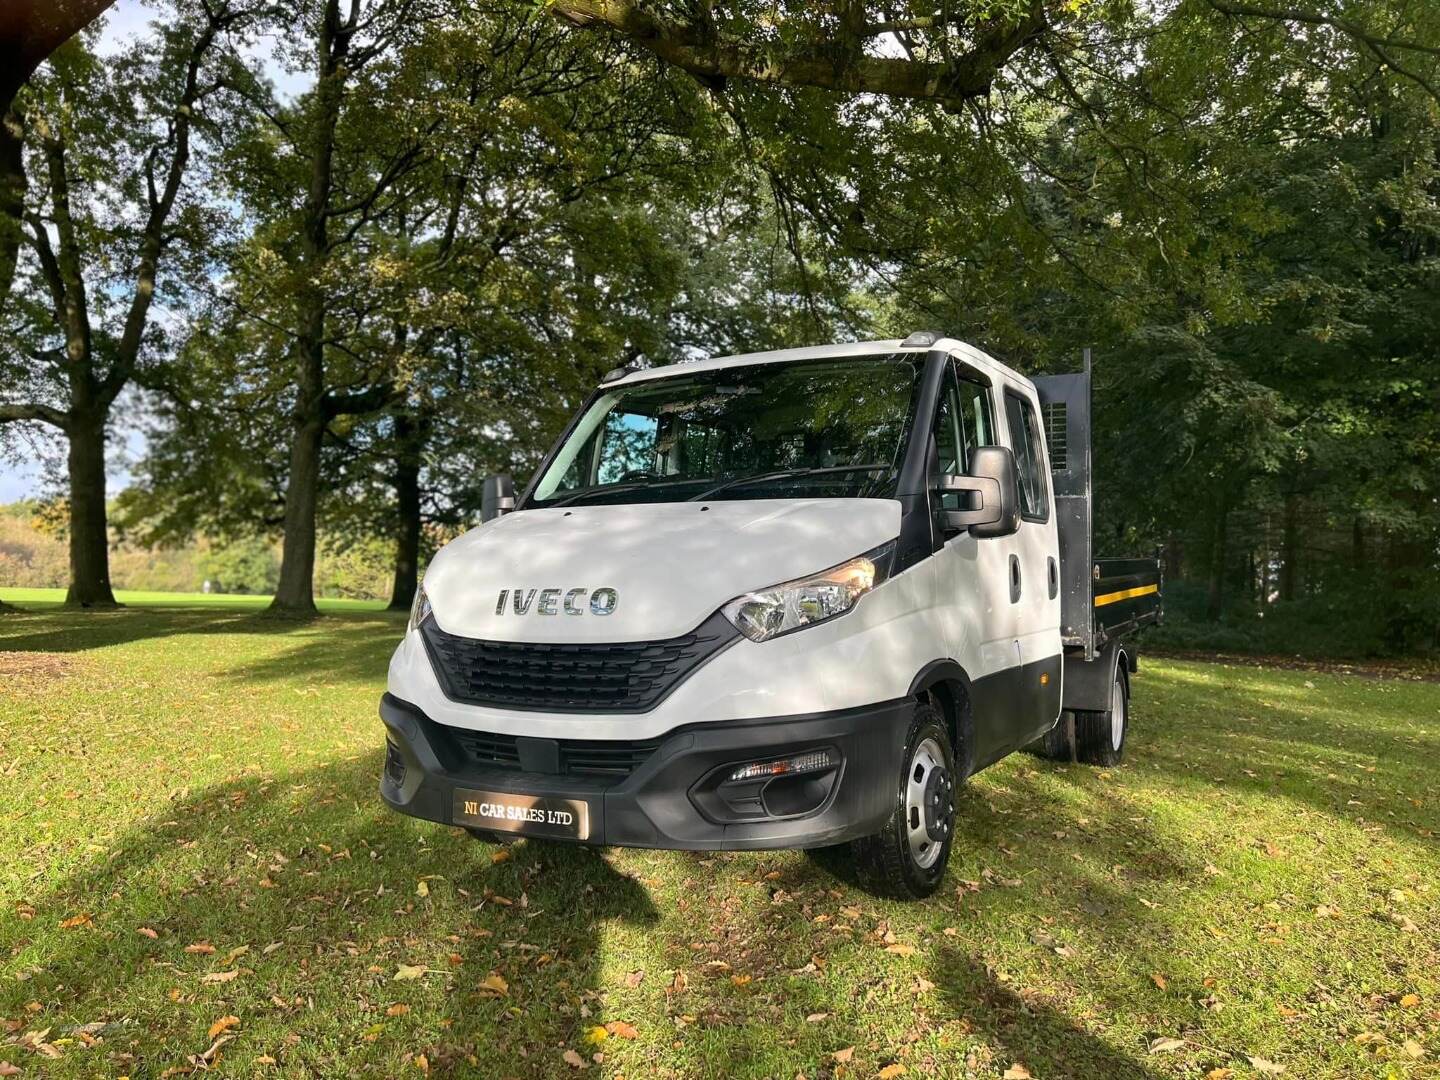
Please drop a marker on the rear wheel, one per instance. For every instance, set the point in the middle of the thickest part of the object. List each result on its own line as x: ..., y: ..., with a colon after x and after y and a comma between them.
x: 1100, y: 736
x: 907, y: 858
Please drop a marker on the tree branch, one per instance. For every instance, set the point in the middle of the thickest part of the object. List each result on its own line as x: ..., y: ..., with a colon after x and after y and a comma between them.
x: 704, y: 53
x: 33, y: 411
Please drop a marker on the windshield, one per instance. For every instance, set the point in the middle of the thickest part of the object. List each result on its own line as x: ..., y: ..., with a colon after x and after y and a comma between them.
x: 806, y: 429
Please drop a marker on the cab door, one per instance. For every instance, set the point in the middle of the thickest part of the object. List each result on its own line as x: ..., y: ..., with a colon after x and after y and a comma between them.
x: 974, y: 574
x: 1035, y: 573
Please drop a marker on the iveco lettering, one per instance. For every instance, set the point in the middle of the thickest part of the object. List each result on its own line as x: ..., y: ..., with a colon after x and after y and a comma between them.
x: 782, y: 600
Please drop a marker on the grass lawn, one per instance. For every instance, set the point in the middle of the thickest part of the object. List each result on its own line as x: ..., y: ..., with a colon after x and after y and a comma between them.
x: 196, y: 872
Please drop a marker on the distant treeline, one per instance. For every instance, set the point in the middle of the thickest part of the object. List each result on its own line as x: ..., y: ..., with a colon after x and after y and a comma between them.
x: 34, y: 553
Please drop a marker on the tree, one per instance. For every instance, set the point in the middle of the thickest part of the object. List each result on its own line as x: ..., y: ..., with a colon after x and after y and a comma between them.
x: 79, y: 331
x: 30, y: 30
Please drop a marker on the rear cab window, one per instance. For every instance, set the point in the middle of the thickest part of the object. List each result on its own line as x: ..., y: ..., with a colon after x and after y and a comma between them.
x: 1029, y: 450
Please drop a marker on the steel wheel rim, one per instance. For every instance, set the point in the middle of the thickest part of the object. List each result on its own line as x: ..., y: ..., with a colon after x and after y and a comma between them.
x: 1117, y: 715
x: 925, y: 762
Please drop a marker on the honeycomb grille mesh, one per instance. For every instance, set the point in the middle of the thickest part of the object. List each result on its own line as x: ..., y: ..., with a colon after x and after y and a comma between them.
x: 632, y: 676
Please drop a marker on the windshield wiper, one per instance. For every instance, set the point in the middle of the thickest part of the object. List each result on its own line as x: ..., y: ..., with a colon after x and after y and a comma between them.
x: 611, y: 489
x: 783, y: 474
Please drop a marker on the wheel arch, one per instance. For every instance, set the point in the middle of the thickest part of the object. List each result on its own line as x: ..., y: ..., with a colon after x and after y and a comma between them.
x: 948, y: 684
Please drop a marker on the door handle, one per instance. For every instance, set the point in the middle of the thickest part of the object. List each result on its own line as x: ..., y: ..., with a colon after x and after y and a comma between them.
x: 1054, y: 577
x: 1014, y: 579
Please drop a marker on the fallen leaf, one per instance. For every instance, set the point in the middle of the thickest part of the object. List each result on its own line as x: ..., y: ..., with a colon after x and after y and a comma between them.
x: 740, y: 980
x: 923, y: 985
x: 571, y: 1058
x: 622, y: 1029
x: 409, y: 972
x: 1413, y: 1049
x: 1220, y: 1073
x: 151, y: 934
x: 634, y: 979
x: 815, y: 1018
x: 76, y: 921
x: 1267, y: 1068
x: 1159, y: 980
x: 422, y: 888
x: 220, y: 976
x: 224, y: 1024
x: 842, y: 1056
x: 6, y: 1069
x: 889, y: 1072
x: 1017, y: 1072
x: 1164, y: 1045
x: 264, y: 1059
x: 398, y: 1009
x: 235, y: 953
x: 201, y: 948
x: 901, y: 950
x: 422, y: 1063
x: 499, y: 855
x: 1409, y: 1001
x: 596, y: 1035
x: 495, y: 984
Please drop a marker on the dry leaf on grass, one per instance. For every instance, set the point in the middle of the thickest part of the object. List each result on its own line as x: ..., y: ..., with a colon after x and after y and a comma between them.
x: 409, y: 972
x: 1159, y: 980
x: 398, y: 1009
x: 889, y: 1072
x: 422, y: 1063
x: 224, y: 1024
x: 147, y: 932
x: 494, y: 983
x: 596, y: 1035
x: 1164, y: 1045
x: 76, y: 921
x: 634, y: 979
x: 200, y: 948
x: 842, y: 1056
x: 621, y: 1029
x: 499, y: 855
x: 6, y: 1069
x: 422, y: 888
x: 1409, y: 1001
x: 220, y: 976
x: 901, y: 950
x: 1017, y: 1072
x: 574, y: 1060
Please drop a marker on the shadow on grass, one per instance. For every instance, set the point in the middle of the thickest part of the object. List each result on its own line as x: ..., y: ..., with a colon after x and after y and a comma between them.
x: 311, y: 892
x: 70, y: 631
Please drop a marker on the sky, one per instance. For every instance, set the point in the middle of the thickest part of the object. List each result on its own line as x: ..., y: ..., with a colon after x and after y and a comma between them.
x: 25, y: 476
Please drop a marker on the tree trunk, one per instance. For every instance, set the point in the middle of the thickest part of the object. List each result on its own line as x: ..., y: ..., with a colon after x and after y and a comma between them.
x: 407, y: 512
x: 295, y: 593
x: 1290, y: 549
x: 89, y: 539
x: 12, y: 197
x: 1215, y: 591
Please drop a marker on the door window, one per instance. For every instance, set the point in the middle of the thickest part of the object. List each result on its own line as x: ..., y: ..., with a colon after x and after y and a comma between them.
x: 962, y: 423
x: 1029, y: 456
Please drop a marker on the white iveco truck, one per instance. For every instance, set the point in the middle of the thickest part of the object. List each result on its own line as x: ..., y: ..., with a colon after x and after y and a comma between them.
x: 789, y: 599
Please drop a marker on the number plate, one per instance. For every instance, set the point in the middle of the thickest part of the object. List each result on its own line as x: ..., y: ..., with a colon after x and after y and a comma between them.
x: 532, y: 815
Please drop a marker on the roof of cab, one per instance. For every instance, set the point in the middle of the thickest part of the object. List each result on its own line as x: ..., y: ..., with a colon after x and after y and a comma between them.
x: 814, y: 352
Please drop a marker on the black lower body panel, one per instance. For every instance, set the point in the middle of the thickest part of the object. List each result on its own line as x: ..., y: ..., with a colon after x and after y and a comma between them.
x: 678, y: 793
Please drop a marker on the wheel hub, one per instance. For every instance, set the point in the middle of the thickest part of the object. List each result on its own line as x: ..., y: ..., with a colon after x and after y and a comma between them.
x: 929, y: 804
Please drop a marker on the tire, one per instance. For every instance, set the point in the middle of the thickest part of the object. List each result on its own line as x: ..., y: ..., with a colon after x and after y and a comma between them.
x: 1100, y: 736
x: 1053, y: 745
x: 889, y: 863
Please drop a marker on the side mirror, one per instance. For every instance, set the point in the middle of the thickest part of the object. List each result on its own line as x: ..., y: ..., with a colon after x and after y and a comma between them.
x: 497, y: 496
x: 996, y: 508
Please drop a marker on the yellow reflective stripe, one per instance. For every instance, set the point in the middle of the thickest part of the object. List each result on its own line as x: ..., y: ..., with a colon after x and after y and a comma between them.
x: 1125, y: 594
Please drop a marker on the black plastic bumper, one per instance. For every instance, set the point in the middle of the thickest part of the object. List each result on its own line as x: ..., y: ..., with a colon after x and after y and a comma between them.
x: 670, y: 800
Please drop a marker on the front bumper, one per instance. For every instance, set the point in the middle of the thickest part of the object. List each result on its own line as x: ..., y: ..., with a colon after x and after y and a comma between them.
x: 670, y: 800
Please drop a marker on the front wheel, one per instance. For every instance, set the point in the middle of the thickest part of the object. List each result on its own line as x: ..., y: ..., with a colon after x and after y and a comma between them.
x: 907, y: 858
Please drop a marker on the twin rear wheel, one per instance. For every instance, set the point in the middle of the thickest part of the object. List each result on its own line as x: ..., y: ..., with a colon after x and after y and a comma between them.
x: 1099, y: 736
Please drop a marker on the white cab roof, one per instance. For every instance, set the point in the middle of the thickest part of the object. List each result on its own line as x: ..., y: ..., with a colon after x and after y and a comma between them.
x: 819, y: 352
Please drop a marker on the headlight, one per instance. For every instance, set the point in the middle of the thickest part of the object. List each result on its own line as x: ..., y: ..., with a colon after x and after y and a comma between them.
x: 806, y: 601
x: 420, y: 609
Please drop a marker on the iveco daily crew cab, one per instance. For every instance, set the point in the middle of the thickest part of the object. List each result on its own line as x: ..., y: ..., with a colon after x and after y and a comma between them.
x: 789, y: 599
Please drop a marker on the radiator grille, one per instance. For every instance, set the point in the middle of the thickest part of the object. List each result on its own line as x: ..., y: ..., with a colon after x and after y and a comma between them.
x: 1054, y: 413
x: 623, y: 677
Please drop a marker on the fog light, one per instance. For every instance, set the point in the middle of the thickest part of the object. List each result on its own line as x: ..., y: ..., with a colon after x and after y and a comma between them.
x: 814, y: 761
